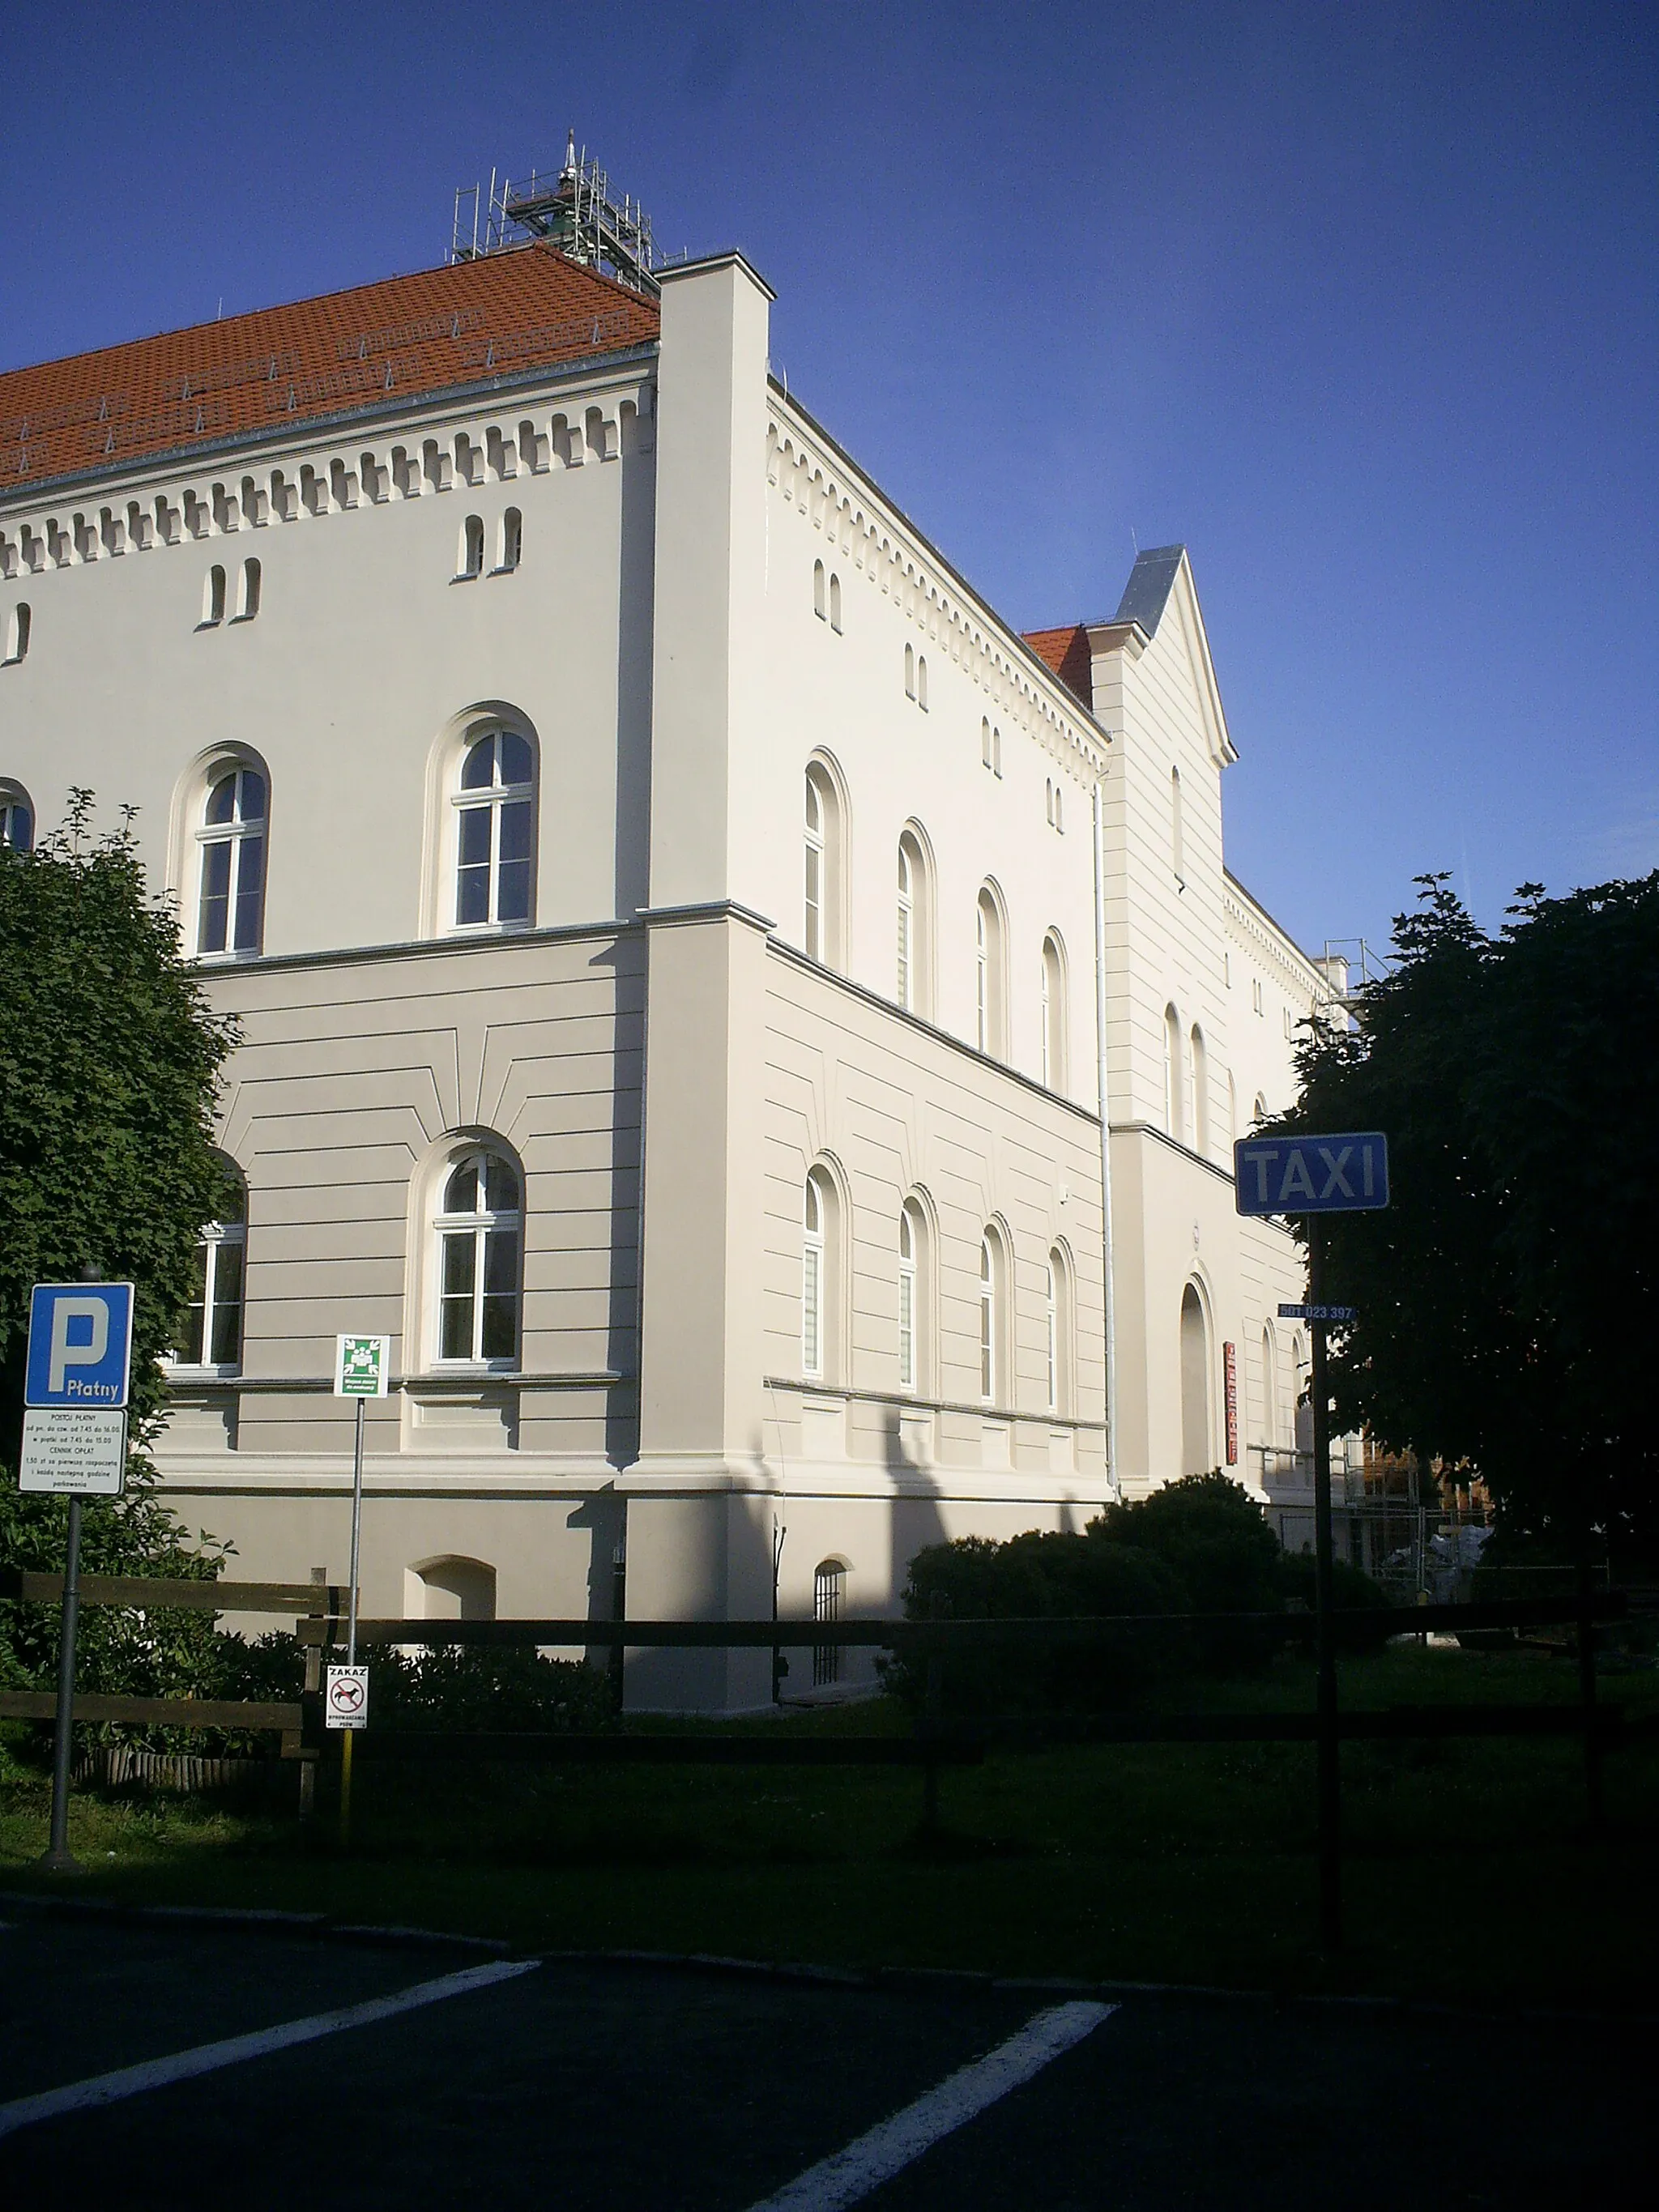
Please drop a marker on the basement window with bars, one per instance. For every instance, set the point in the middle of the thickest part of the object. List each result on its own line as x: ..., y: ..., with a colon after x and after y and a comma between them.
x: 828, y: 1595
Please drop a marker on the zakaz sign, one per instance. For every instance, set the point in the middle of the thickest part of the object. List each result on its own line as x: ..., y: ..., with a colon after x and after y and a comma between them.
x: 80, y: 1345
x: 1345, y: 1174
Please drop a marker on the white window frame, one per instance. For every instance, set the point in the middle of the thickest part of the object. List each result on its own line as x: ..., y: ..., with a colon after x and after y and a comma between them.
x: 907, y: 1301
x: 907, y: 932
x: 242, y: 832
x: 480, y: 1223
x: 988, y: 1318
x: 815, y: 862
x: 495, y: 797
x: 216, y: 1238
x: 1051, y: 1315
x: 812, y: 1258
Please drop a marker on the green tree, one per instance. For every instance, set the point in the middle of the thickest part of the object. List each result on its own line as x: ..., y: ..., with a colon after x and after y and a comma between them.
x: 109, y: 1066
x: 1508, y: 1293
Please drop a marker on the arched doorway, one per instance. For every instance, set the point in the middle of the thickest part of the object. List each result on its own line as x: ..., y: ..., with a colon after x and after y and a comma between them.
x: 1196, y: 1455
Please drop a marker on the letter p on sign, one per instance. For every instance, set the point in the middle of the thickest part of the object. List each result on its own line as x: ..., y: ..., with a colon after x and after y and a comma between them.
x: 79, y: 1350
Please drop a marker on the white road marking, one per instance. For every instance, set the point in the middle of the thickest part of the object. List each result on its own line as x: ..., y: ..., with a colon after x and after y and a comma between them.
x: 871, y: 2159
x: 208, y: 2058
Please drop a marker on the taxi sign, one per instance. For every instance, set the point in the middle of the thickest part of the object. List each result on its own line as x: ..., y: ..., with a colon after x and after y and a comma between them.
x: 1344, y: 1174
x: 345, y: 1698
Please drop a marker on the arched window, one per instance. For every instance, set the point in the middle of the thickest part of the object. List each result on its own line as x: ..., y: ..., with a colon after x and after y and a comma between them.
x: 496, y: 837
x: 990, y: 989
x: 824, y: 863
x: 1269, y: 1389
x: 835, y: 605
x: 472, y: 549
x: 479, y: 1229
x: 1200, y: 1083
x: 1059, y: 1331
x: 985, y: 740
x: 820, y: 1277
x: 1173, y: 1116
x: 213, y: 599
x: 512, y: 542
x: 231, y: 839
x: 1177, y: 831
x: 214, y: 1334
x: 906, y: 974
x: 1053, y: 1012
x: 922, y: 682
x: 988, y: 1319
x: 828, y: 1595
x: 909, y: 671
x: 1196, y: 1454
x: 907, y: 1301
x: 16, y: 819
x: 820, y: 592
x: 18, y: 624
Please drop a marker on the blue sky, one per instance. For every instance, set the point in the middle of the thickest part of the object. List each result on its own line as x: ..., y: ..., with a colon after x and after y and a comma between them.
x: 1358, y: 301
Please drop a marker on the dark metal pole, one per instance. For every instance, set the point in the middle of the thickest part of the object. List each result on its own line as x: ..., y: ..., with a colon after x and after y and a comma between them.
x: 1330, y: 1780
x: 58, y: 1858
x: 1595, y: 1806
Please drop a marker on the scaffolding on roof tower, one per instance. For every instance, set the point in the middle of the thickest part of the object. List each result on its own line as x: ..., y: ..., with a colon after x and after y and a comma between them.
x: 574, y: 211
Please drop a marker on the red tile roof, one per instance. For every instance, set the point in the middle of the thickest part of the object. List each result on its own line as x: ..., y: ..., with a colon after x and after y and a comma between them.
x: 1066, y: 651
x: 475, y: 323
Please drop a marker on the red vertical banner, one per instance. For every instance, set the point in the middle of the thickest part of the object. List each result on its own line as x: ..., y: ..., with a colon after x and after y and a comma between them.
x: 1229, y: 1368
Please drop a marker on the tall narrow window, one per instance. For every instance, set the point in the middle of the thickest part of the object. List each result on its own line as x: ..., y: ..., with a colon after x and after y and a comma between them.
x: 922, y: 682
x: 906, y: 929
x: 16, y: 819
x: 812, y: 1282
x: 909, y: 671
x: 1053, y: 1013
x: 215, y: 1330
x: 1051, y: 1335
x: 213, y: 599
x: 829, y: 1588
x: 479, y: 1229
x: 985, y: 740
x: 1200, y: 1066
x: 512, y: 542
x: 1062, y: 1333
x: 1172, y: 1109
x: 231, y: 915
x: 835, y: 605
x: 18, y: 624
x: 1269, y: 1390
x: 987, y: 1321
x: 815, y: 828
x: 495, y: 842
x: 473, y: 548
x: 820, y: 592
x: 907, y: 1302
x: 247, y: 598
x: 824, y: 864
x: 1177, y: 831
x: 990, y: 995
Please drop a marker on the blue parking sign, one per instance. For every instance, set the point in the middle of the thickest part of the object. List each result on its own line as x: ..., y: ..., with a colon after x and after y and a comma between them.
x: 80, y: 1345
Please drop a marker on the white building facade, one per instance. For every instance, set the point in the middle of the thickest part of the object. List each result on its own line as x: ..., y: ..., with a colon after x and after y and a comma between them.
x: 660, y: 900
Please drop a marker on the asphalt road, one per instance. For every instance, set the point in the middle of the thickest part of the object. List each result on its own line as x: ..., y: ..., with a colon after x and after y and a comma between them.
x: 633, y: 2089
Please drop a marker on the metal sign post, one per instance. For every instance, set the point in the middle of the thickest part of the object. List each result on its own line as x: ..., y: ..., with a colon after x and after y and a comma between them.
x: 1314, y: 1176
x: 361, y: 1366
x: 75, y: 1377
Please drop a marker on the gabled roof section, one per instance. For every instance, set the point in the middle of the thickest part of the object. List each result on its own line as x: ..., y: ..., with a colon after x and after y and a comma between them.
x: 1150, y: 581
x: 475, y: 323
x: 1068, y: 653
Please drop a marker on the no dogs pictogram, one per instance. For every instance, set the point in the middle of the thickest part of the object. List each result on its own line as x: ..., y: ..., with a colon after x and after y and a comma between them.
x: 345, y: 1698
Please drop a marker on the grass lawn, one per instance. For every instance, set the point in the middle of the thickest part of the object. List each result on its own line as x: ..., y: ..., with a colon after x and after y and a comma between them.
x: 1469, y: 1877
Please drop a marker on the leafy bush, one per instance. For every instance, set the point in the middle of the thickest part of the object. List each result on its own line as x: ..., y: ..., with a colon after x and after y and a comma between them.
x: 463, y: 1687
x: 1214, y: 1537
x: 1040, y: 1576
x: 1351, y: 1592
